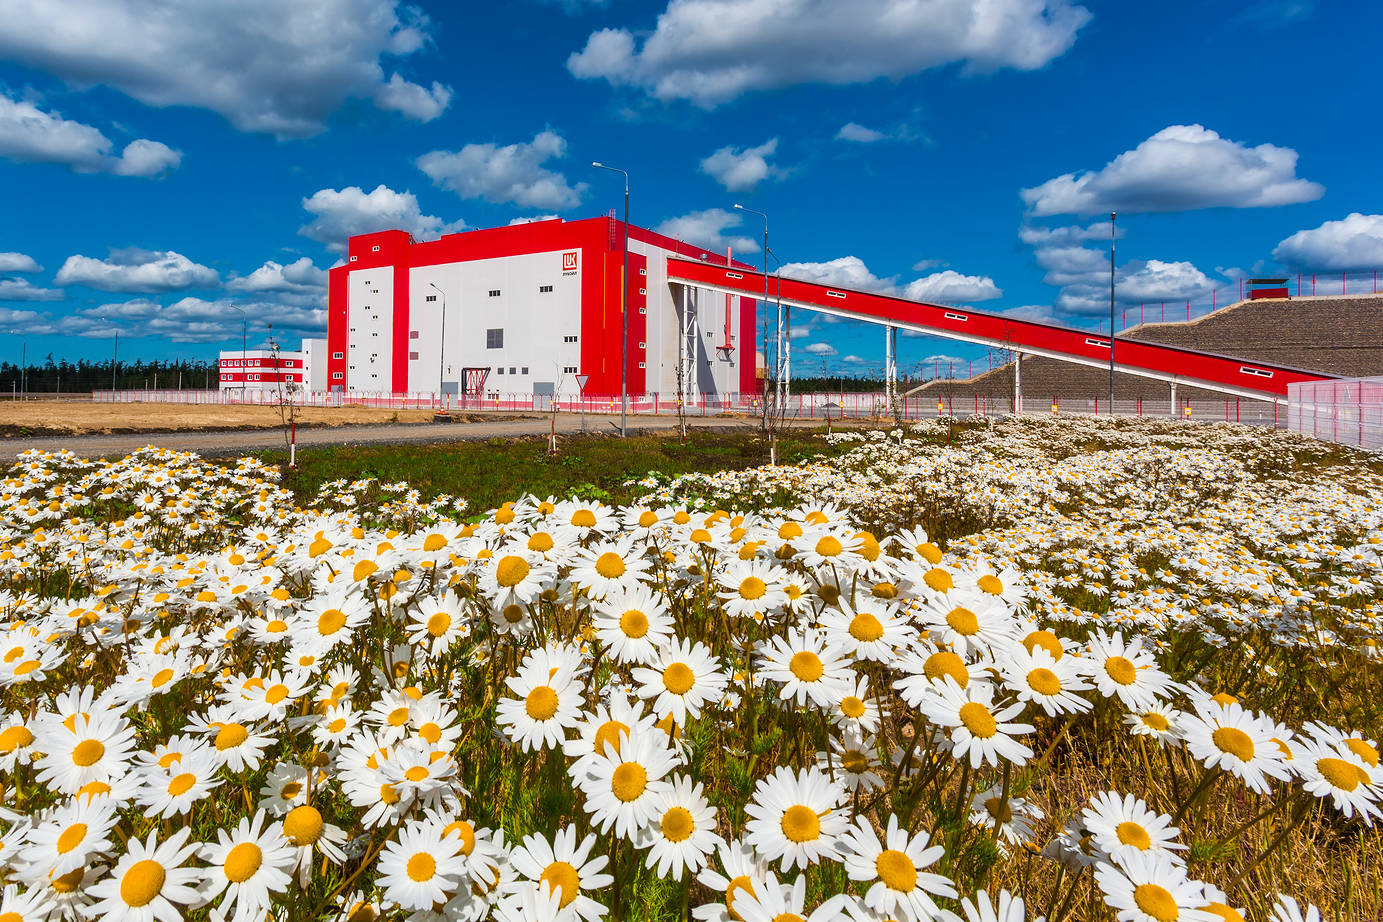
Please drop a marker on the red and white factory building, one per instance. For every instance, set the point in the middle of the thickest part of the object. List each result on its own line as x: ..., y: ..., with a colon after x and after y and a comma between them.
x: 526, y: 308
x: 264, y: 369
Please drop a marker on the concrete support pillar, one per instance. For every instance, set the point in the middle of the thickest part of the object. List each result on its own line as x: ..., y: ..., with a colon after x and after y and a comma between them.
x: 1174, y: 399
x: 890, y: 363
x: 787, y: 354
x: 1018, y: 383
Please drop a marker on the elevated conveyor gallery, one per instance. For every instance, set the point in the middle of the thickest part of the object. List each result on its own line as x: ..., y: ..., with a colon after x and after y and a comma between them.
x: 1173, y: 364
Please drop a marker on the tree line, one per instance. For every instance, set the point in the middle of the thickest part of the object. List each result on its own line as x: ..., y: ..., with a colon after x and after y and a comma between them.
x: 53, y: 377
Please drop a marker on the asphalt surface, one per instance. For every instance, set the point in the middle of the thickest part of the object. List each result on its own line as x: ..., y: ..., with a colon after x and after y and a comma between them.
x: 223, y: 444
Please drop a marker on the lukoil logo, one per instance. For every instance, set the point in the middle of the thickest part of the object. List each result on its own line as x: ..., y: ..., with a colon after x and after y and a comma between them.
x: 569, y: 263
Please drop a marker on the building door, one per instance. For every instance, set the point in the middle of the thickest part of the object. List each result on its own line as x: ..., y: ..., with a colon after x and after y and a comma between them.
x: 542, y: 394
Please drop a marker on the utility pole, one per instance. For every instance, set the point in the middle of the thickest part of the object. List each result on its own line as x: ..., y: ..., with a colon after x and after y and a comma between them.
x: 1112, y: 216
x: 623, y: 306
x: 764, y: 302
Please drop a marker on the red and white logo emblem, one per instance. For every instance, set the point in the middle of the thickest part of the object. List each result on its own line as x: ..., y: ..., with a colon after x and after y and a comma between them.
x: 569, y: 262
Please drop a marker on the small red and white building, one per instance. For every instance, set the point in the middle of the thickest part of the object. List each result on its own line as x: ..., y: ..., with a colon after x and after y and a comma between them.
x: 264, y: 369
x: 524, y: 309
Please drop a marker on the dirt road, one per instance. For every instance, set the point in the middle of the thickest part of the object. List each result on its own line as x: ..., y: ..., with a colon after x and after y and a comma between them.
x: 80, y: 417
x: 221, y: 444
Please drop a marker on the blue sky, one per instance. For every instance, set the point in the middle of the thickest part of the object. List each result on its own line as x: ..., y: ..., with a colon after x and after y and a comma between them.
x: 166, y: 162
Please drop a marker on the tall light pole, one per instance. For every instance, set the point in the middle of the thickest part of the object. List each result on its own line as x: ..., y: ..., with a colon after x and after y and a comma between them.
x: 1112, y: 215
x: 623, y: 305
x: 765, y: 303
x: 244, y: 340
x: 441, y: 346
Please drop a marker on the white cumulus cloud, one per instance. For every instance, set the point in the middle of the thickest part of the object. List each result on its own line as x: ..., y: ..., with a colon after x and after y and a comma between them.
x: 267, y: 66
x: 1350, y: 244
x: 710, y: 229
x: 298, y: 277
x: 712, y: 51
x: 509, y: 173
x: 851, y: 272
x: 137, y: 270
x: 416, y: 102
x: 198, y: 320
x: 853, y: 131
x: 953, y: 287
x: 24, y: 290
x: 18, y: 262
x: 821, y: 349
x: 28, y: 134
x: 343, y: 213
x: 742, y: 168
x: 1181, y: 168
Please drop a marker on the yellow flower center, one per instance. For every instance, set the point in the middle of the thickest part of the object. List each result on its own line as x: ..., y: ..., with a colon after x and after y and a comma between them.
x: 363, y: 570
x: 181, y: 784
x: 678, y: 678
x: 938, y: 580
x: 510, y: 571
x: 854, y: 762
x: 67, y: 883
x: 303, y: 826
x: 467, y: 833
x: 421, y: 867
x: 434, y: 542
x: 1156, y: 721
x: 88, y: 753
x: 789, y: 530
x: 896, y: 870
x: 852, y: 707
x: 677, y: 824
x: 1130, y: 833
x: 1156, y: 901
x: 230, y: 736
x: 1121, y: 670
x: 977, y: 719
x: 999, y: 809
x: 751, y: 588
x: 801, y: 824
x: 1364, y: 751
x: 828, y: 546
x: 561, y: 878
x: 806, y: 666
x: 1224, y: 912
x: 330, y: 621
x: 648, y: 518
x: 541, y: 703
x: 738, y: 885
x: 1046, y: 640
x: 866, y: 628
x: 1339, y: 773
x: 609, y: 734
x: 541, y: 542
x: 628, y: 781
x: 583, y: 518
x: 963, y: 621
x: 71, y: 837
x: 276, y: 693
x: 398, y: 717
x: 990, y: 584
x: 389, y: 794
x: 513, y: 613
x: 1044, y: 682
x: 1234, y: 741
x: 946, y: 663
x: 438, y: 624
x: 162, y: 678
x: 633, y: 623
x: 12, y: 738
x: 242, y: 862
x: 416, y: 773
x: 609, y: 565
x: 142, y: 882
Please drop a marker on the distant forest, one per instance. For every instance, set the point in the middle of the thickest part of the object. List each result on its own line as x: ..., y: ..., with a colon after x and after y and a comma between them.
x: 68, y: 377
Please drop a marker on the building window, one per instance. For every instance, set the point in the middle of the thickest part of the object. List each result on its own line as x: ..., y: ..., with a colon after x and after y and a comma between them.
x: 643, y: 272
x: 643, y: 345
x: 568, y: 339
x: 432, y: 297
x: 336, y: 376
x: 374, y: 249
x: 524, y: 370
x: 512, y: 371
x: 569, y: 370
x: 544, y: 289
x: 354, y: 258
x: 494, y: 339
x: 338, y: 355
x: 643, y: 310
x: 643, y: 291
x: 412, y: 334
x: 500, y: 370
x: 643, y: 364
x: 412, y: 356
x: 494, y: 292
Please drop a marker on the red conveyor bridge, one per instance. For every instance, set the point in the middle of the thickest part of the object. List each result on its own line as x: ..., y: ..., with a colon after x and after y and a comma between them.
x: 1173, y: 364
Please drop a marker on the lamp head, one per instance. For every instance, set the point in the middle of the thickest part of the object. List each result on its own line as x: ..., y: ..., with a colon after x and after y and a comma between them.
x: 597, y: 163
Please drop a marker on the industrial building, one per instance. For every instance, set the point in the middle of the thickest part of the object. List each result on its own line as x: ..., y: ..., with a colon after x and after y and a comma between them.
x: 265, y: 369
x: 525, y: 309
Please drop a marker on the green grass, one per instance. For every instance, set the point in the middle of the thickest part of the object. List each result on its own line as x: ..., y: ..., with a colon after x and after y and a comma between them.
x: 491, y: 472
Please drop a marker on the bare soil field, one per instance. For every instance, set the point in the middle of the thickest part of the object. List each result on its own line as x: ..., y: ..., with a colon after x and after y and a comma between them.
x: 54, y: 417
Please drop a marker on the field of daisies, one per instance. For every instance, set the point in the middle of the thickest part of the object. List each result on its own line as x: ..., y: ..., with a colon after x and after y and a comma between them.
x: 991, y: 671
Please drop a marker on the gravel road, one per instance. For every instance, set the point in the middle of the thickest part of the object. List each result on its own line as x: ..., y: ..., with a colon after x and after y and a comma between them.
x: 222, y: 444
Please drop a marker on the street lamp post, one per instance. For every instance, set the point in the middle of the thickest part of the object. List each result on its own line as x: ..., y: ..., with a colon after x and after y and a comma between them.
x: 623, y: 305
x: 441, y: 348
x: 114, y: 362
x: 1111, y: 312
x: 765, y: 303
